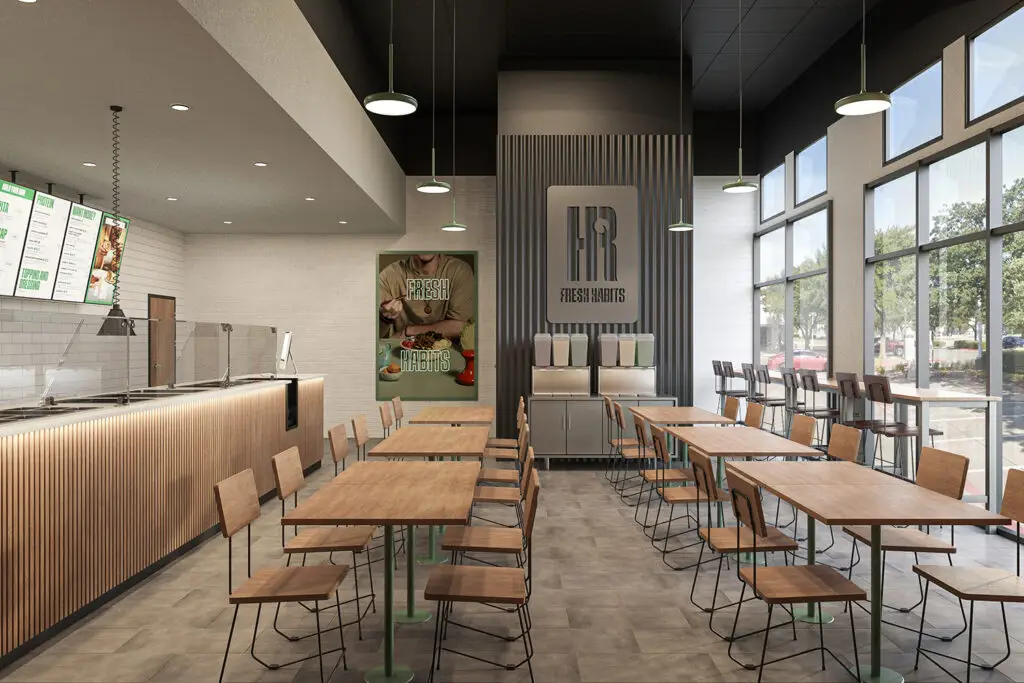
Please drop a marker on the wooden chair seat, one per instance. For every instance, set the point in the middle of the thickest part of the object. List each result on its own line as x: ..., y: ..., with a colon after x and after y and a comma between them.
x: 802, y: 583
x: 636, y: 453
x: 974, y: 583
x: 907, y: 540
x: 482, y: 539
x: 682, y: 495
x: 902, y: 430
x: 462, y: 583
x: 501, y: 453
x: 502, y: 443
x: 723, y: 540
x: 505, y: 495
x: 863, y: 424
x: 493, y: 475
x: 290, y: 584
x: 773, y: 402
x: 623, y: 442
x: 821, y: 413
x: 738, y: 393
x: 666, y: 475
x: 331, y: 540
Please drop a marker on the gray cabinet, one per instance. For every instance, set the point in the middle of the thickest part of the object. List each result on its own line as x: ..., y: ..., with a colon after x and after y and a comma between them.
x: 584, y: 422
x: 547, y: 427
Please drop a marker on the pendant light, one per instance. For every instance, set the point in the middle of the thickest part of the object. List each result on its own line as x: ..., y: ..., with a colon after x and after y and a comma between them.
x: 433, y: 186
x: 740, y: 186
x: 682, y: 225
x: 116, y: 324
x: 863, y: 102
x: 453, y: 225
x: 390, y: 103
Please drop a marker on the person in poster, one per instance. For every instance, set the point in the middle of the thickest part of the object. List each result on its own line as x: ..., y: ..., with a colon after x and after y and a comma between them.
x: 426, y: 337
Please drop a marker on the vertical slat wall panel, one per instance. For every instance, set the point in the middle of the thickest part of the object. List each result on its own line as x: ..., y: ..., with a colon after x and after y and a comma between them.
x: 85, y: 507
x: 527, y: 166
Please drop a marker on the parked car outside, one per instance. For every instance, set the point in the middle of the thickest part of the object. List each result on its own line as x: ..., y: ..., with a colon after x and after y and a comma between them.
x: 803, y: 359
x: 893, y: 347
x: 1013, y: 341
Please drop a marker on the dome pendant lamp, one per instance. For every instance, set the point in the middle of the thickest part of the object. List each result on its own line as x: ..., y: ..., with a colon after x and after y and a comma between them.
x: 740, y: 186
x: 453, y: 225
x: 433, y: 186
x: 390, y: 103
x: 682, y: 225
x: 864, y: 102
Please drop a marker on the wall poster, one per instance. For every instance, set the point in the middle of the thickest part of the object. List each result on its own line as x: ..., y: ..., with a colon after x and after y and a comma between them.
x: 106, y: 260
x: 426, y: 326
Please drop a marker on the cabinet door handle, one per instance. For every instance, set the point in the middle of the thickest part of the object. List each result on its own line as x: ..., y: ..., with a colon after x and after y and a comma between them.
x: 569, y: 423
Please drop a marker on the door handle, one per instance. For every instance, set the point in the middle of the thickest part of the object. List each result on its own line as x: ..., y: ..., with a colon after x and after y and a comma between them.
x: 156, y: 366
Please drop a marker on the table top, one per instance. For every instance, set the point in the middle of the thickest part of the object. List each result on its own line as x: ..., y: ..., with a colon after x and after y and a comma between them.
x: 420, y: 493
x: 451, y: 415
x: 907, y: 394
x: 679, y: 415
x: 873, y: 499
x: 422, y: 442
x: 740, y: 442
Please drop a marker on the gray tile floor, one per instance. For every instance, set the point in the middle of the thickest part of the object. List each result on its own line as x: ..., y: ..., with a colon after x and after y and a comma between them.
x: 605, y: 609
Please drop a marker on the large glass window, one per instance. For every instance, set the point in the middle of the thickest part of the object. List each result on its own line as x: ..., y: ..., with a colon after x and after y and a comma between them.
x: 895, y: 307
x: 773, y: 192
x: 811, y: 171
x: 772, y: 341
x: 956, y: 194
x: 773, y: 255
x: 810, y: 323
x: 1013, y: 350
x: 915, y: 117
x: 1013, y: 176
x: 810, y: 243
x: 997, y: 65
x: 895, y: 214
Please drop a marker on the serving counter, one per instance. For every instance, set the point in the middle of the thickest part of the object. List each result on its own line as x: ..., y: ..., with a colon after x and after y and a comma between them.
x: 94, y: 499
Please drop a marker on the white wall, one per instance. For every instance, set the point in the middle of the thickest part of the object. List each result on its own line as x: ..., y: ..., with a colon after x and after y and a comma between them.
x: 723, y: 236
x: 323, y: 288
x: 33, y: 334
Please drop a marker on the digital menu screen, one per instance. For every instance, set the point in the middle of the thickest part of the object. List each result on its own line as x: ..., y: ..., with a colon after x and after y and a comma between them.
x: 15, y: 209
x: 76, y: 258
x: 43, y: 242
x: 106, y: 260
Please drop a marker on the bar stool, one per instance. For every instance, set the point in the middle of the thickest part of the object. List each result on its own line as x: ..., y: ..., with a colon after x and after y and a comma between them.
x: 851, y: 395
x: 396, y: 404
x: 361, y: 434
x: 824, y: 417
x: 238, y: 506
x: 902, y: 434
x: 728, y: 375
x: 765, y: 380
x: 793, y: 403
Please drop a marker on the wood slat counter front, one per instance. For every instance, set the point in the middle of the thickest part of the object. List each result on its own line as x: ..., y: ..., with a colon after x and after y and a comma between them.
x: 89, y: 502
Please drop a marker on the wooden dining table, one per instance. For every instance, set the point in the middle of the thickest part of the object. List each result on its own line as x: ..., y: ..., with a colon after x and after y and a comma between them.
x: 846, y: 494
x: 454, y: 415
x: 393, y: 494
x: 679, y: 415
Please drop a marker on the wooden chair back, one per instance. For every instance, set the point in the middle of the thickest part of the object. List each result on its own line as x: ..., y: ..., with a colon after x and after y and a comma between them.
x: 1013, y: 496
x: 520, y: 410
x: 360, y: 432
x: 532, y: 496
x: 703, y: 473
x: 338, y: 438
x: 620, y: 419
x: 878, y: 388
x: 396, y: 405
x: 746, y: 503
x: 802, y: 430
x: 386, y: 421
x: 527, y: 471
x: 524, y: 439
x: 732, y: 407
x: 288, y: 475
x: 754, y: 416
x: 640, y: 427
x: 238, y: 503
x: 942, y: 472
x: 849, y: 386
x: 844, y: 443
x: 608, y: 409
x: 660, y: 443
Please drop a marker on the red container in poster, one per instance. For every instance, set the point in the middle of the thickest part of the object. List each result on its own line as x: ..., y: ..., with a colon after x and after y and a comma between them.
x: 467, y: 377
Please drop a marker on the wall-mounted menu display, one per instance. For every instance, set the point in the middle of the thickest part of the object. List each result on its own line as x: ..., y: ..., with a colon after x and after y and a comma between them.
x: 106, y: 260
x: 43, y: 242
x: 15, y: 209
x: 76, y: 259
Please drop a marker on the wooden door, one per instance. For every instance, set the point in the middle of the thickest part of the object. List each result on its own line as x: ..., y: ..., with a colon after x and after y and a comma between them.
x: 161, y: 340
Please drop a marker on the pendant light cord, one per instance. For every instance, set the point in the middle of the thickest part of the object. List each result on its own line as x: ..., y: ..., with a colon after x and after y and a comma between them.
x: 863, y: 45
x: 391, y: 50
x: 115, y: 177
x: 433, y: 89
x: 455, y: 4
x: 681, y: 139
x: 739, y: 55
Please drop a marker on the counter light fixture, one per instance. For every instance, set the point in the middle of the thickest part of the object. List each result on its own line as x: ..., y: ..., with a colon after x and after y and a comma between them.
x: 260, y: 164
x: 864, y: 102
x: 454, y: 226
x: 88, y: 164
x: 390, y: 103
x: 740, y: 186
x: 180, y: 107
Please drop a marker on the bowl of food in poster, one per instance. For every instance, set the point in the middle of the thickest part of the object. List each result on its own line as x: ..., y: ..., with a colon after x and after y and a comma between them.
x: 390, y: 373
x: 426, y: 341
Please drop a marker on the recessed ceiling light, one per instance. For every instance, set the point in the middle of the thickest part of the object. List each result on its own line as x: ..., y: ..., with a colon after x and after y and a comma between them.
x: 180, y: 107
x: 89, y: 164
x: 227, y: 222
x: 27, y: 2
x: 342, y: 222
x: 172, y: 199
x: 260, y: 164
x: 310, y: 199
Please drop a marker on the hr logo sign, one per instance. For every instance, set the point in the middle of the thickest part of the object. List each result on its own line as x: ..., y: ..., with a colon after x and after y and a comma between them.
x: 593, y: 260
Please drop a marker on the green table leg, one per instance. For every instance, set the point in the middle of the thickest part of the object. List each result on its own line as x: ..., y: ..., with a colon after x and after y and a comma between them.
x: 721, y: 484
x: 432, y: 557
x: 389, y: 673
x: 412, y: 615
x: 876, y: 673
x: 809, y: 613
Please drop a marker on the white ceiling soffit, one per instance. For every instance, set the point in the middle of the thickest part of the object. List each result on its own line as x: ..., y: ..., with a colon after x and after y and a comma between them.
x: 274, y: 43
x: 67, y: 62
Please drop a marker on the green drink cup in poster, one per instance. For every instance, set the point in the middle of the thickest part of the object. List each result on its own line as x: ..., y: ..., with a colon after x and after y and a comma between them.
x: 426, y: 326
x: 106, y: 260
